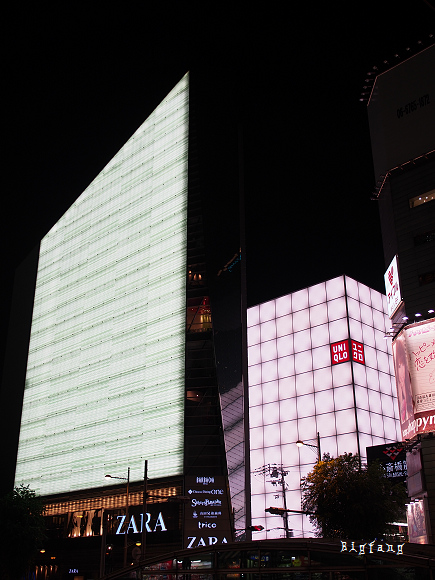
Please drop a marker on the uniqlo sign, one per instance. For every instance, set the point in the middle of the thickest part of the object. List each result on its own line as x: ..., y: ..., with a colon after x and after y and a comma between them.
x: 347, y: 350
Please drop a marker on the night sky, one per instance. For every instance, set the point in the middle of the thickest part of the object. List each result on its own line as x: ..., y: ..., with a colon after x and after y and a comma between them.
x: 79, y: 83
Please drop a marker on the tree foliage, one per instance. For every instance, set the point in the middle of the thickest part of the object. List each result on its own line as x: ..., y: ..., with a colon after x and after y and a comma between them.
x: 348, y: 500
x: 21, y: 531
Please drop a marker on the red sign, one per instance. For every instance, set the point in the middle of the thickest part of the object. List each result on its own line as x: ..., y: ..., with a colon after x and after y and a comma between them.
x: 357, y: 352
x: 340, y: 352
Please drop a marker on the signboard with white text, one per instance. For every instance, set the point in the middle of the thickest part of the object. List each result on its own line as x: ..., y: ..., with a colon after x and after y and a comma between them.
x: 392, y: 287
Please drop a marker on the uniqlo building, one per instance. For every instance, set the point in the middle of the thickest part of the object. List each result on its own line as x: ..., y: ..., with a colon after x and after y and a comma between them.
x: 321, y: 372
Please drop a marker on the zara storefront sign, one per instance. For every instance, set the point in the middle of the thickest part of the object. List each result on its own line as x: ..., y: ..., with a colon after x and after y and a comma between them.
x: 133, y: 528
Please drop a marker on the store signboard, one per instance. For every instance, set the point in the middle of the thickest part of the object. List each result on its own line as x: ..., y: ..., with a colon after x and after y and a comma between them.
x: 346, y: 350
x: 392, y: 287
x: 207, y: 520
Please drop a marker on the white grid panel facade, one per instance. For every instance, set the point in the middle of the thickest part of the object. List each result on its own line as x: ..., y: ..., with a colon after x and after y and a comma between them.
x: 105, y: 377
x: 295, y: 392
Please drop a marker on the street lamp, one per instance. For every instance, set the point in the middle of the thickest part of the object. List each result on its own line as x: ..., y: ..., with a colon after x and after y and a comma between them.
x: 127, y: 479
x: 300, y: 443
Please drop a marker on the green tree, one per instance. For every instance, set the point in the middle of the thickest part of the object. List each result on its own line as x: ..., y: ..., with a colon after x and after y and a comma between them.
x: 350, y: 500
x: 21, y: 531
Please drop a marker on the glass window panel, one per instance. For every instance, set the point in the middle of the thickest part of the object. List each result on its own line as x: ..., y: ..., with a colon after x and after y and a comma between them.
x: 335, y: 288
x: 257, y: 460
x: 304, y: 383
x: 272, y: 454
x: 347, y: 443
x: 269, y: 371
x: 272, y: 435
x: 337, y: 308
x: 287, y: 387
x: 354, y: 308
x: 391, y: 429
x: 253, y: 316
x: 375, y: 401
x: 290, y: 454
x: 284, y: 325
x: 254, y: 355
x: 343, y: 397
x: 288, y: 410
x: 255, y: 395
x: 325, y: 426
x: 300, y: 300
x: 355, y: 328
x: 387, y: 405
x: 376, y: 298
x: 321, y: 356
x: 317, y: 294
x: 359, y: 374
x: 268, y: 330
x: 254, y: 374
x: 253, y: 335
x: 383, y: 362
x: 364, y: 425
x: 305, y: 404
x: 301, y: 320
x: 324, y: 401
x: 270, y: 413
x: 329, y: 445
x: 270, y: 392
x: 286, y: 366
x: 283, y: 306
x: 377, y: 422
x: 322, y: 379
x: 256, y: 416
x: 365, y: 440
x: 370, y: 357
x: 341, y: 374
x: 307, y: 429
x: 366, y: 315
x: 319, y: 314
x: 256, y: 437
x: 289, y: 434
x: 303, y: 362
x: 267, y: 311
x: 284, y: 345
x: 338, y: 330
x: 387, y: 384
x: 352, y: 288
x: 381, y: 343
x: 364, y: 294
x: 302, y: 340
x: 380, y: 320
x: 372, y: 379
x: 345, y: 421
x: 268, y: 350
x: 362, y: 397
x: 320, y: 335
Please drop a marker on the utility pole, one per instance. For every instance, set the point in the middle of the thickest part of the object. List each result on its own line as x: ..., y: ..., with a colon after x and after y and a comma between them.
x: 277, y: 474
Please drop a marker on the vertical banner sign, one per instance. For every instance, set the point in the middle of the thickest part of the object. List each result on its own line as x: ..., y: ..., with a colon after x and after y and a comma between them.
x: 207, y: 516
x: 392, y: 287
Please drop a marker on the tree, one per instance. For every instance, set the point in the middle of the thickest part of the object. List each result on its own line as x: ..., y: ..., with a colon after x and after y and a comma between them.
x: 21, y: 531
x: 348, y: 500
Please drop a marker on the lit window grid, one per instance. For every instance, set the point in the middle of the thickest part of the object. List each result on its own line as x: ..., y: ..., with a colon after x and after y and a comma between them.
x: 105, y: 380
x: 291, y: 380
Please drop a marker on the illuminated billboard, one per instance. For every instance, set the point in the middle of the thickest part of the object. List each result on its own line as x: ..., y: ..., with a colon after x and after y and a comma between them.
x: 392, y: 287
x: 318, y: 363
x: 414, y: 360
x: 105, y: 377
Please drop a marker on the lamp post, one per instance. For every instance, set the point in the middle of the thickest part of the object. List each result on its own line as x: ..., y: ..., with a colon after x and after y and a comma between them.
x: 127, y: 479
x: 317, y: 447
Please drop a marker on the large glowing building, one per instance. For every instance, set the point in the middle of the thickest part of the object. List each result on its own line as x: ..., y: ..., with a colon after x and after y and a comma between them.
x: 131, y: 285
x: 321, y: 373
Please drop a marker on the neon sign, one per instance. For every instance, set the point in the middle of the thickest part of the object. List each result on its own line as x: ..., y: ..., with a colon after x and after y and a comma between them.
x: 361, y: 551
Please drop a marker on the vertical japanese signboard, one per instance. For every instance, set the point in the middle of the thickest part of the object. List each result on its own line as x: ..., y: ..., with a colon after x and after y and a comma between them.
x: 207, y: 515
x: 392, y: 287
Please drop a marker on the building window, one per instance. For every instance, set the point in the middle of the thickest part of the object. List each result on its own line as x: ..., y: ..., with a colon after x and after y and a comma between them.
x: 423, y: 198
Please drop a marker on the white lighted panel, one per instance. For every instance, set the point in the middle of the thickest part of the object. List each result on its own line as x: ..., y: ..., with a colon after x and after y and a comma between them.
x: 105, y: 378
x: 296, y: 392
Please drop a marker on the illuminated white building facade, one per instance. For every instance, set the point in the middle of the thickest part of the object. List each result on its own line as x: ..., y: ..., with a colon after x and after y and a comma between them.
x: 318, y: 363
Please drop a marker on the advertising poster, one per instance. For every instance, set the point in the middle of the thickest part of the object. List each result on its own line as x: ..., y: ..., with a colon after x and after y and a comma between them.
x: 392, y: 287
x: 417, y: 529
x: 414, y: 362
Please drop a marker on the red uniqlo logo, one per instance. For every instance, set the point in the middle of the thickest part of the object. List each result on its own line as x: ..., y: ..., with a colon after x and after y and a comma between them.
x: 390, y: 276
x: 357, y: 352
x: 340, y: 352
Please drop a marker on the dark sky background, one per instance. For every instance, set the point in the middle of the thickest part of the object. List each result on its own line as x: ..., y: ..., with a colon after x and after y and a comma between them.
x: 78, y: 82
